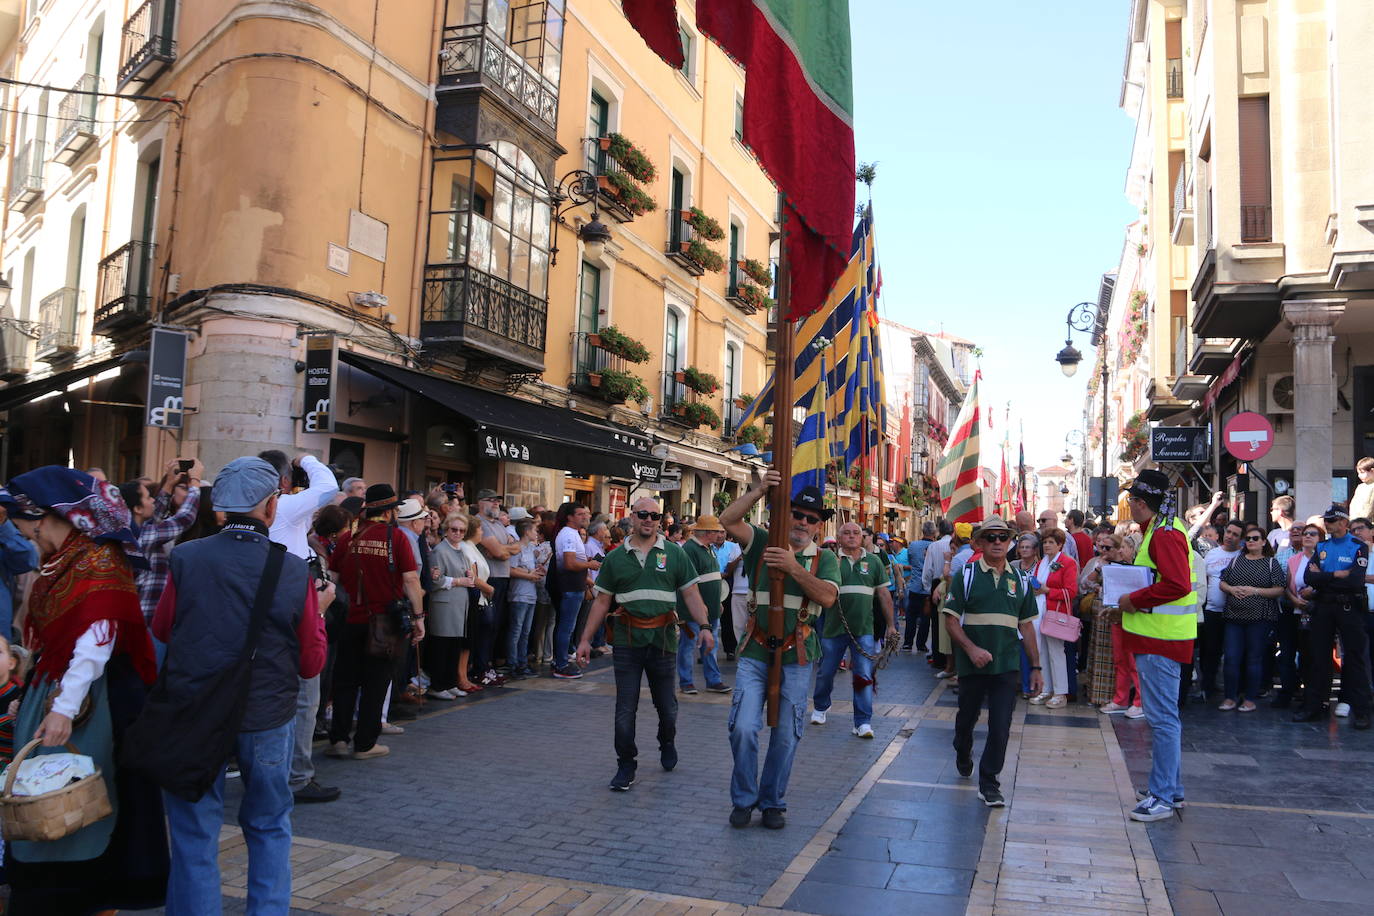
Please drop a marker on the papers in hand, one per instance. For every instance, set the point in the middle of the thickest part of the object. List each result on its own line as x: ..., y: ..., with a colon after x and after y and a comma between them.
x: 1118, y: 580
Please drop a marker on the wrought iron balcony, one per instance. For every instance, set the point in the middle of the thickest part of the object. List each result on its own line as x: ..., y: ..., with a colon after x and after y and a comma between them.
x: 674, y: 395
x: 76, y: 117
x: 57, y: 325
x: 123, y: 293
x: 1174, y: 78
x: 608, y: 172
x: 16, y: 347
x: 590, y: 359
x: 1181, y: 217
x: 482, y: 317
x: 26, y: 175
x: 148, y: 45
x: 680, y: 237
x: 1256, y: 223
x: 471, y: 57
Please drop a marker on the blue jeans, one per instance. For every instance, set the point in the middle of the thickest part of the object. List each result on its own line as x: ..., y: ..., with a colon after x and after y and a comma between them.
x: 747, y: 790
x: 687, y: 653
x: 1159, y: 696
x: 521, y: 618
x: 860, y: 667
x: 1245, y: 644
x: 917, y: 624
x: 193, y: 887
x: 568, y: 606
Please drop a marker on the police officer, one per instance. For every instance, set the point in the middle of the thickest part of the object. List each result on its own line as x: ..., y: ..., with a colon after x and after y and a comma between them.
x: 1337, y: 572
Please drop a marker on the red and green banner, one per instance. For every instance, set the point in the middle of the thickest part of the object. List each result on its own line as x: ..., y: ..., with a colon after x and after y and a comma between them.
x: 798, y: 115
x: 961, y: 490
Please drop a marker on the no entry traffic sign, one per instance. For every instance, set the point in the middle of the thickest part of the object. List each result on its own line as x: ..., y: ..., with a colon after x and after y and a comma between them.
x: 1248, y: 436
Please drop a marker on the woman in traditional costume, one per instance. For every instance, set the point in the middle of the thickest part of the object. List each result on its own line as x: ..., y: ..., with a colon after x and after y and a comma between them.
x: 93, y: 662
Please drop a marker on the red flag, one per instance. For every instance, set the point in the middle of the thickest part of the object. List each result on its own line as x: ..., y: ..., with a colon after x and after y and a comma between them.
x: 798, y: 116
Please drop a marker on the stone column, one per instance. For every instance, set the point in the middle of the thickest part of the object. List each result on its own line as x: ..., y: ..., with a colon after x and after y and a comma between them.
x: 1312, y: 322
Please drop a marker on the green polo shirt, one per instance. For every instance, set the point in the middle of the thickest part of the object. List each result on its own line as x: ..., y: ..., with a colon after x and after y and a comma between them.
x: 990, y: 612
x: 859, y: 581
x: 703, y: 560
x: 827, y: 568
x: 646, y: 584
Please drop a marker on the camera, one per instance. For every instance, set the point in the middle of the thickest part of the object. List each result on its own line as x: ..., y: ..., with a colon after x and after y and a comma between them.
x: 399, y: 609
x: 185, y: 464
x: 450, y: 488
x: 299, y: 479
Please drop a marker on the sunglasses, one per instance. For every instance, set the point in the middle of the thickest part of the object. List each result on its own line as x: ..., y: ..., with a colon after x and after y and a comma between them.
x: 458, y: 528
x: 1103, y: 548
x: 997, y: 537
x: 1254, y: 537
x: 645, y: 516
x: 1312, y: 534
x: 806, y: 517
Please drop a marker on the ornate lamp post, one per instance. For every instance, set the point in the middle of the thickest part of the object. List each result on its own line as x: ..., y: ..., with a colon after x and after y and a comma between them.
x: 1083, y: 317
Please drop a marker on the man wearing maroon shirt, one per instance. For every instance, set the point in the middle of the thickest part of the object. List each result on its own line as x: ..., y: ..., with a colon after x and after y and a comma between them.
x: 1160, y: 624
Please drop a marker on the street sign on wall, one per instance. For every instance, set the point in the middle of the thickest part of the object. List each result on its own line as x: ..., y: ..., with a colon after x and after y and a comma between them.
x: 1178, y: 444
x: 166, y: 378
x: 321, y: 371
x: 1248, y: 436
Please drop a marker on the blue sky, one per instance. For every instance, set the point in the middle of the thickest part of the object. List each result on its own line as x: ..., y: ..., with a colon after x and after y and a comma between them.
x: 1001, y: 157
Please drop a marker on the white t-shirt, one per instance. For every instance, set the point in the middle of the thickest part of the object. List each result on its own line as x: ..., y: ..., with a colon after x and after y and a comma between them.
x: 1278, y: 539
x: 1218, y: 558
x: 569, y: 540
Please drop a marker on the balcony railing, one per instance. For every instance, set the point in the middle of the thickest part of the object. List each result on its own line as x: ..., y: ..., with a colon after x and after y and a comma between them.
x: 469, y: 310
x: 1181, y: 215
x: 603, y: 165
x: 469, y: 57
x: 680, y: 236
x: 148, y: 44
x: 57, y: 325
x: 16, y: 347
x: 26, y: 175
x: 1256, y: 223
x: 76, y: 116
x: 589, y: 359
x: 1175, y: 78
x: 123, y: 291
x: 730, y: 418
x: 674, y: 394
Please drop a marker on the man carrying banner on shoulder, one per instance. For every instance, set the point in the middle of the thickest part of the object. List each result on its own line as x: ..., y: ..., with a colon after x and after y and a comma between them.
x: 849, y: 627
x: 812, y: 582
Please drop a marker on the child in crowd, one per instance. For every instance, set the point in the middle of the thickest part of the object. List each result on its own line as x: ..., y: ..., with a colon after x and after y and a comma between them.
x: 11, y: 688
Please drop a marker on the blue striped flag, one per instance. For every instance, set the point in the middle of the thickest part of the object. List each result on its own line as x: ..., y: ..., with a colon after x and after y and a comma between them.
x: 812, y: 454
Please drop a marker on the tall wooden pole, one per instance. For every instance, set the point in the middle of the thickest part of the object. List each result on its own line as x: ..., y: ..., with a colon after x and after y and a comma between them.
x: 882, y: 508
x: 780, y: 500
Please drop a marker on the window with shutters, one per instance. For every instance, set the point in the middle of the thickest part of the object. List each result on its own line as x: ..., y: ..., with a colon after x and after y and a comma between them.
x: 1256, y: 181
x: 1173, y: 57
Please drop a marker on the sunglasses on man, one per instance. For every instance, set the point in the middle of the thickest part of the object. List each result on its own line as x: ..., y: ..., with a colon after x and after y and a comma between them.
x: 997, y: 537
x: 645, y: 516
x: 807, y: 517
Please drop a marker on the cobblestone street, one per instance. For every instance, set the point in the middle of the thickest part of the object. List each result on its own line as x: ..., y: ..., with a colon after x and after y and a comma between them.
x: 500, y: 805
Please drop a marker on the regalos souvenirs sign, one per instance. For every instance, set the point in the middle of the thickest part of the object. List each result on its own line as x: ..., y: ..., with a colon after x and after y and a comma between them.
x: 1248, y: 436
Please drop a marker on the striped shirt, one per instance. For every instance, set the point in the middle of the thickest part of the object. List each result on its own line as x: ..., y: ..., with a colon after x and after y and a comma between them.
x: 827, y: 567
x: 990, y: 613
x: 704, y: 560
x: 859, y: 581
x: 646, y: 584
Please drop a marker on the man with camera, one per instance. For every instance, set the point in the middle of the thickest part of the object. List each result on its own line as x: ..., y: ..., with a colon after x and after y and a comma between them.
x: 381, y: 574
x: 159, y: 519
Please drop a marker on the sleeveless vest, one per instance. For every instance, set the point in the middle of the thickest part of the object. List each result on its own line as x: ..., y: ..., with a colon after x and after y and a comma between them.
x: 1175, y: 620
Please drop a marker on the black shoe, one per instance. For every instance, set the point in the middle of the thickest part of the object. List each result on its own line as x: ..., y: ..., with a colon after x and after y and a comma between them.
x: 964, y: 765
x: 740, y: 817
x: 992, y: 798
x: 312, y: 791
x: 729, y: 656
x: 773, y: 819
x: 1361, y: 721
x: 1308, y: 715
x: 667, y: 755
x: 321, y: 734
x: 624, y: 778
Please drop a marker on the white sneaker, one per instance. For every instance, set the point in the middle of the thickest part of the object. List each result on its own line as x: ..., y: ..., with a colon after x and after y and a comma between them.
x: 1135, y: 712
x: 1111, y: 709
x: 942, y: 674
x: 1342, y: 710
x: 1040, y: 700
x: 864, y: 731
x: 818, y: 717
x: 1057, y: 702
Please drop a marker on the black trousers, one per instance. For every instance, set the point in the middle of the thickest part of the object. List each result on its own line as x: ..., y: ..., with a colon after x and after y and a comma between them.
x: 999, y: 691
x: 491, y: 621
x: 1211, y: 641
x: 917, y: 622
x: 1328, y: 620
x: 631, y: 666
x: 936, y: 656
x: 441, y: 661
x: 726, y: 633
x: 359, y: 680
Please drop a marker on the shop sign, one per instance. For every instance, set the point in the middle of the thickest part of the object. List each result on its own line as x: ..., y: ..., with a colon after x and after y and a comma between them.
x: 1178, y: 444
x: 666, y: 478
x: 321, y: 372
x: 166, y: 378
x: 501, y: 445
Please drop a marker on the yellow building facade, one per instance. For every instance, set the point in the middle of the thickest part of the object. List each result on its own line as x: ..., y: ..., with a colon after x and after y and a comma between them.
x: 413, y: 188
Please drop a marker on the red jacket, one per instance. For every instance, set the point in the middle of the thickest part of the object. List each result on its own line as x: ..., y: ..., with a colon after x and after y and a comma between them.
x: 1062, y: 584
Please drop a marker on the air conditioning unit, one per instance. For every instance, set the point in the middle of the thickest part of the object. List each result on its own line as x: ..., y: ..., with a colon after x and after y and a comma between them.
x: 1278, y: 392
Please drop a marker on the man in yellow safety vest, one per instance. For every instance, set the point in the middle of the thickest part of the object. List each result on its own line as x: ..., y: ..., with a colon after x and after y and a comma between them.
x: 1160, y: 624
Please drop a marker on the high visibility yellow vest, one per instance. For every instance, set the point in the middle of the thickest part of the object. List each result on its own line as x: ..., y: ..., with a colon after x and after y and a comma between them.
x: 1175, y: 620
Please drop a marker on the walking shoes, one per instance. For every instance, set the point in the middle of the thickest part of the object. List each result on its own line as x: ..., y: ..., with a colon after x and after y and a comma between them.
x: 624, y: 778
x: 740, y: 817
x: 372, y: 753
x: 1152, y: 809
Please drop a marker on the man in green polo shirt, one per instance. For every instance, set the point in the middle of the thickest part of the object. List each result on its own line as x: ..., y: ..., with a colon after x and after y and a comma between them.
x: 812, y: 582
x: 849, y: 627
x: 700, y: 548
x: 987, y: 605
x: 645, y: 574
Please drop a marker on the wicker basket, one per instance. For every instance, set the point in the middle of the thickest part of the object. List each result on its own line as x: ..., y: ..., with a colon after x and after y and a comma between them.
x: 52, y: 815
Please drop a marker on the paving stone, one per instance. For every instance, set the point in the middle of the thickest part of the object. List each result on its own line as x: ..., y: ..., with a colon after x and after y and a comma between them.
x: 839, y: 900
x: 855, y: 872
x: 932, y: 879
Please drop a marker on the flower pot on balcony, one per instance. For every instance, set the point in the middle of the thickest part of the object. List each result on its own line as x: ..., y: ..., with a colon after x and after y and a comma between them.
x: 679, y: 377
x: 604, y: 143
x: 594, y: 379
x: 594, y: 340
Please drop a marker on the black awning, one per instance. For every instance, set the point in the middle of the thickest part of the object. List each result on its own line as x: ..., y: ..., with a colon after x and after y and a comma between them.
x: 510, y: 429
x: 12, y: 396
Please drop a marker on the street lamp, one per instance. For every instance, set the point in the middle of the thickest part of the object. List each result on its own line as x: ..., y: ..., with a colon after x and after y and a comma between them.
x: 575, y: 189
x: 1084, y: 317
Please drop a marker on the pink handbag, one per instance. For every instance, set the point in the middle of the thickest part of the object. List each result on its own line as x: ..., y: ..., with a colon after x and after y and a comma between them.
x: 1061, y: 626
